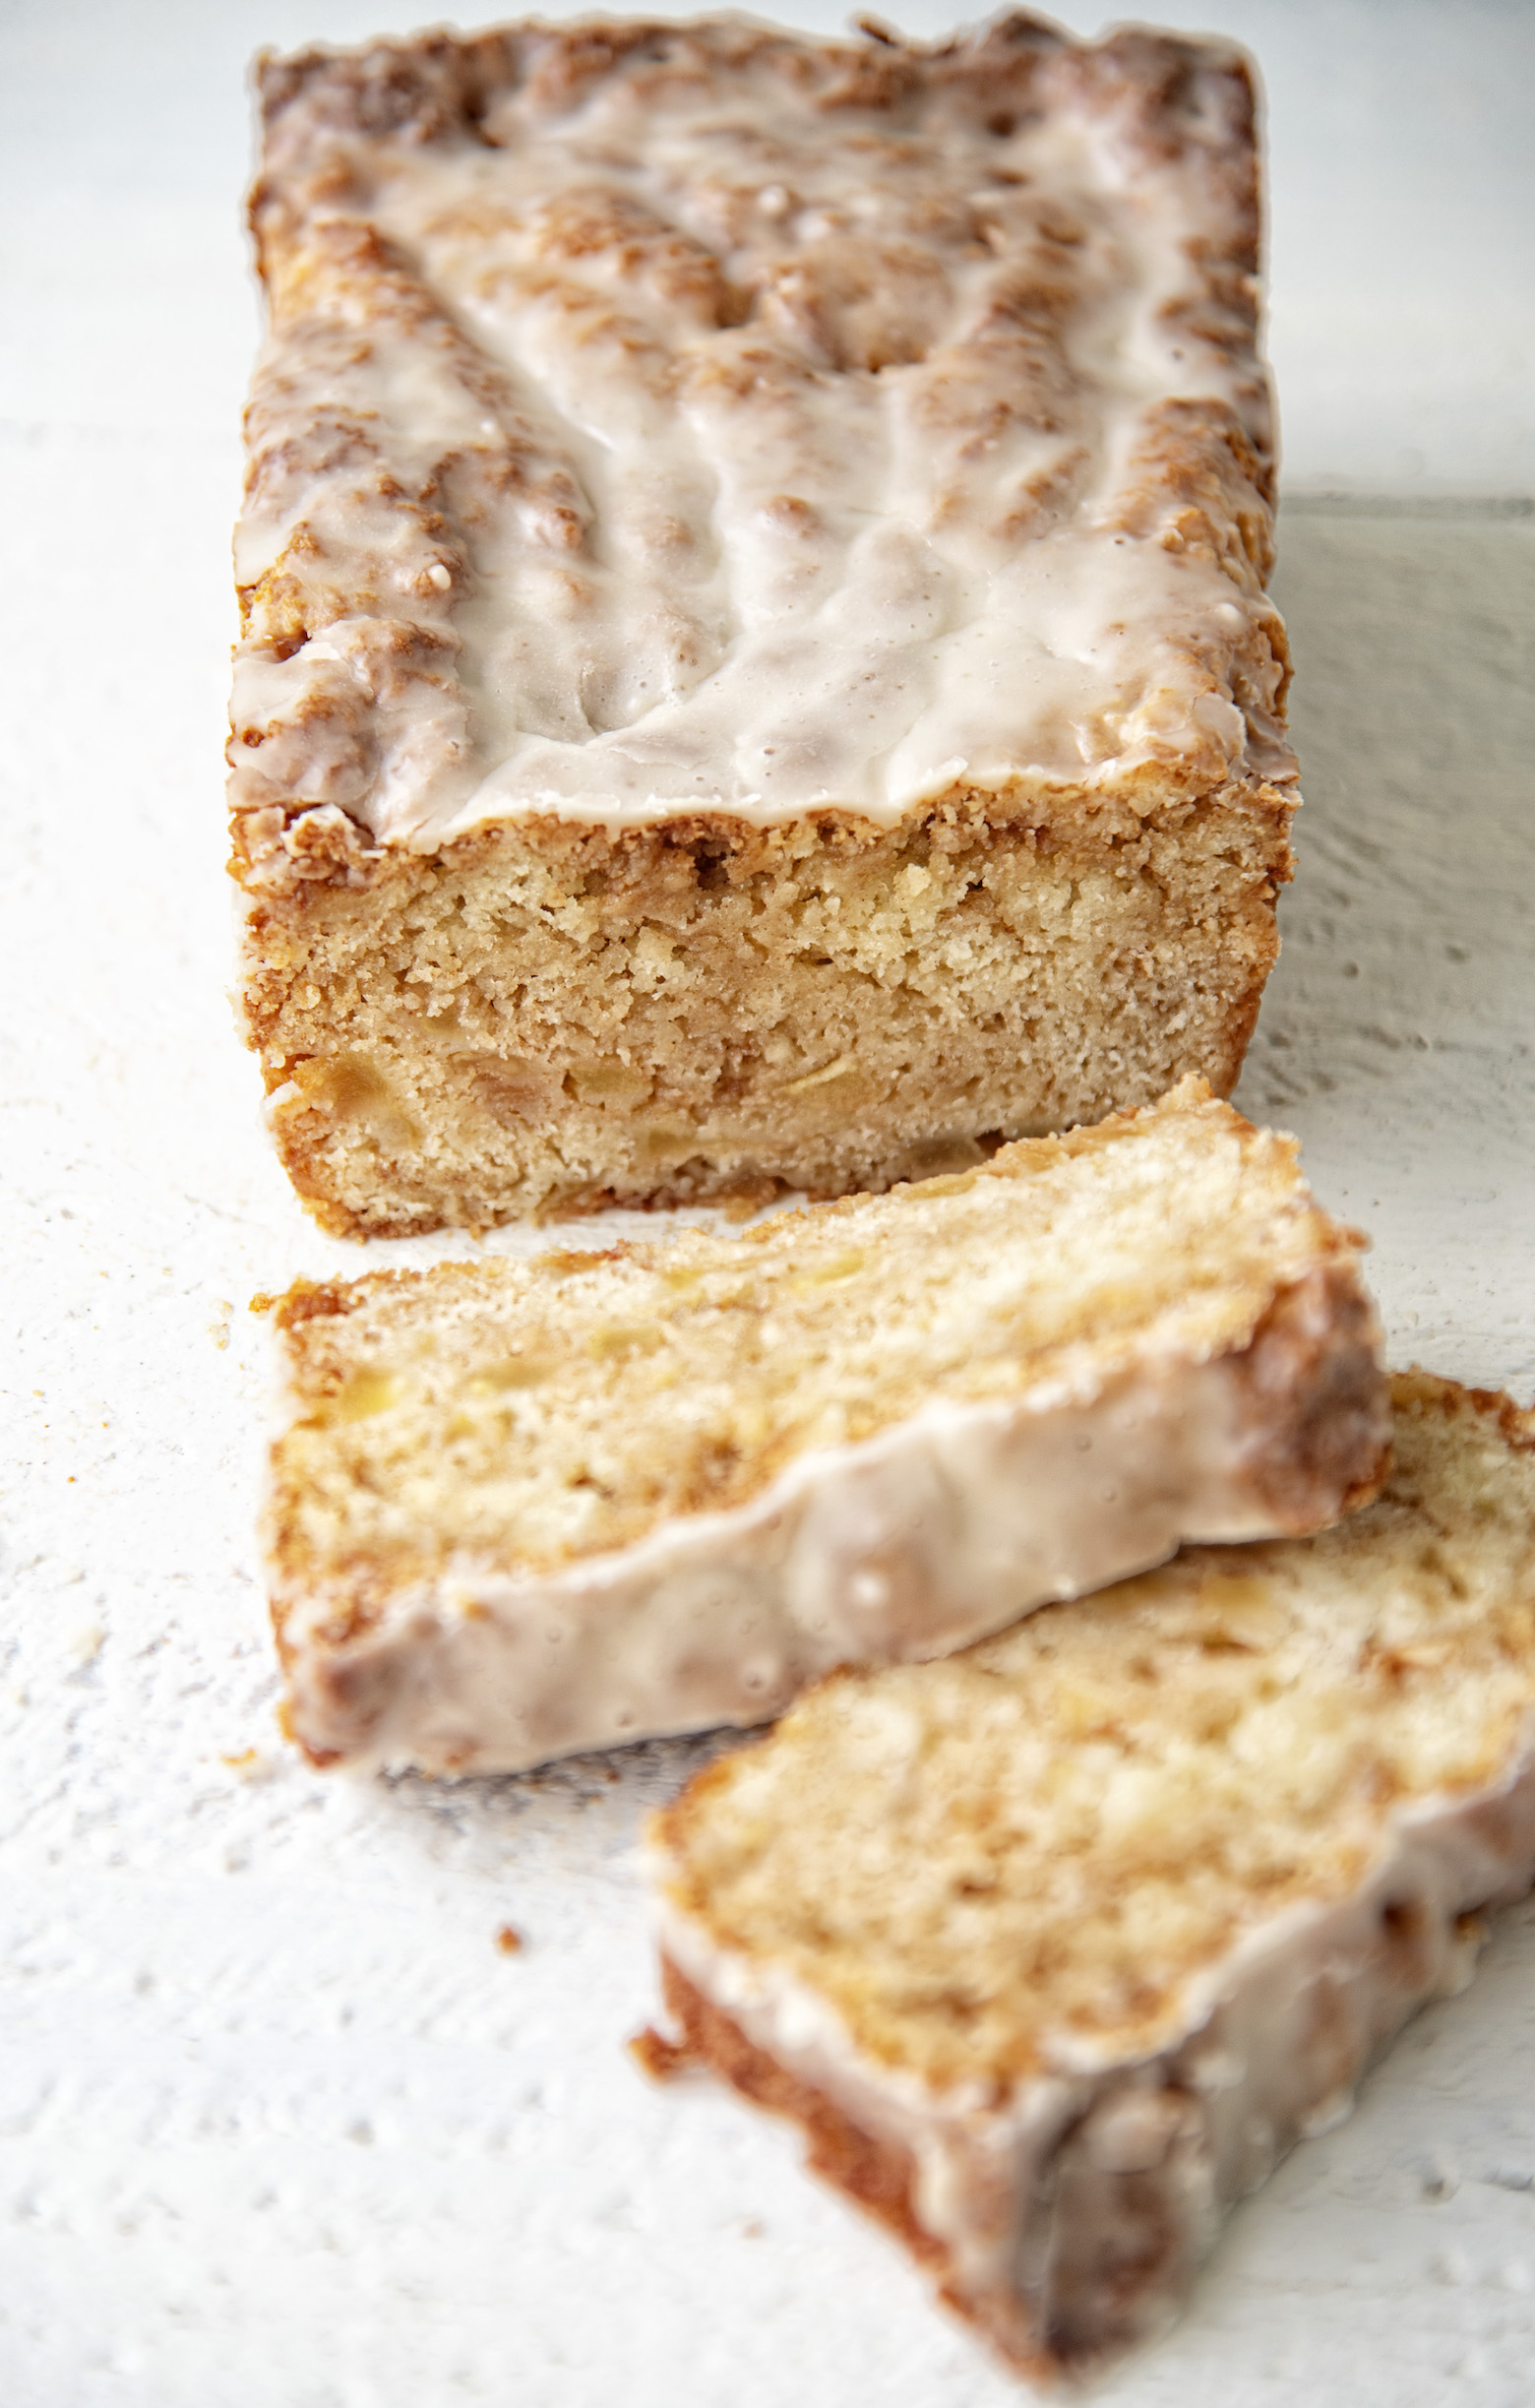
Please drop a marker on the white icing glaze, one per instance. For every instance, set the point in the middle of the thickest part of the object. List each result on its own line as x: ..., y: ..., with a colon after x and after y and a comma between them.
x: 1029, y: 2196
x: 904, y: 1546
x: 682, y: 448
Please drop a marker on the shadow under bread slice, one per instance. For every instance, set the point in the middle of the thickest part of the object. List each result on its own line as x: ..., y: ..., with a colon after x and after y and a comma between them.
x: 523, y: 1507
x: 1055, y: 1948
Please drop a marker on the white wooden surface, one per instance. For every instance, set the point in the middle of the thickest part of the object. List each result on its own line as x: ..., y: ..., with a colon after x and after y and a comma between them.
x: 280, y: 2126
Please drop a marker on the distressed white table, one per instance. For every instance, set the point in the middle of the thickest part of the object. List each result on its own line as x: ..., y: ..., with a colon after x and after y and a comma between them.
x: 281, y: 2127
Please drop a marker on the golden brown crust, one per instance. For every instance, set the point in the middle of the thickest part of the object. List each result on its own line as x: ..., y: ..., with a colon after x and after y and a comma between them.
x: 311, y: 1299
x: 1419, y: 1390
x: 876, y: 2175
x: 651, y: 864
x: 1311, y: 1381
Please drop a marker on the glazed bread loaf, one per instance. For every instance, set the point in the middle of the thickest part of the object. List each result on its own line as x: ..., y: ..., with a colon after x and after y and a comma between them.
x: 1055, y: 1948
x: 523, y: 1507
x: 756, y: 666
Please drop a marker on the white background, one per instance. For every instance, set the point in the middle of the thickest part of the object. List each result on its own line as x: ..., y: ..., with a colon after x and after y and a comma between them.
x: 280, y: 2126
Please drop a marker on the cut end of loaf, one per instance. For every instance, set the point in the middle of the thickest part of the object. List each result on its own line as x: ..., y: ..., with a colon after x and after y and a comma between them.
x: 545, y: 1021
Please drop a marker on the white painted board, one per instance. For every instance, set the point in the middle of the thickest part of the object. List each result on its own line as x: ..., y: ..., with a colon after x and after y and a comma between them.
x: 281, y: 2127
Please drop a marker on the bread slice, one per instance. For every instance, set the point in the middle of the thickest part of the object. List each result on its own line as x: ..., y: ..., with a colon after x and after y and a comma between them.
x: 529, y: 1507
x: 754, y: 661
x: 1055, y: 1948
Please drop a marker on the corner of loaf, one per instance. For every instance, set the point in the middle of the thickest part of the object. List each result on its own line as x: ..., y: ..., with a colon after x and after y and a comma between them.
x: 749, y: 679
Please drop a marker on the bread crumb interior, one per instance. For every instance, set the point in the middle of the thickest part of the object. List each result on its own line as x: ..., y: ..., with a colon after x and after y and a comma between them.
x: 1048, y: 1836
x: 559, y: 1407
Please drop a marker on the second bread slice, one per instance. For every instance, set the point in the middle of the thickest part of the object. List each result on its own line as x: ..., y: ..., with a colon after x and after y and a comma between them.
x: 524, y: 1507
x: 1054, y: 1949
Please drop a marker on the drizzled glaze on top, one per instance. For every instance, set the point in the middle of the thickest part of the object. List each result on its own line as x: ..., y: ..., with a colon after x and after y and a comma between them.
x: 665, y: 418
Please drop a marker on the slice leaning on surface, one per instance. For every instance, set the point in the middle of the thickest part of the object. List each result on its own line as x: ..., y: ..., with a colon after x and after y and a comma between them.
x: 1056, y: 1948
x: 529, y: 1506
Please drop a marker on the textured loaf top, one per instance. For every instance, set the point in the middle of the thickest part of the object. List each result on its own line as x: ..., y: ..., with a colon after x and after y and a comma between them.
x: 568, y: 1404
x: 665, y: 418
x: 1030, y: 1858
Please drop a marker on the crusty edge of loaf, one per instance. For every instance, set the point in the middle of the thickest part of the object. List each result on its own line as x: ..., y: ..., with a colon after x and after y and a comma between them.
x: 874, y: 2170
x: 296, y: 849
x: 1317, y: 1353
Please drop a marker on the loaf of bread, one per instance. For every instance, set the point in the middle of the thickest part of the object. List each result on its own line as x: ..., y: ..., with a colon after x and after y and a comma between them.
x: 756, y: 666
x: 523, y: 1507
x: 1055, y: 1948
